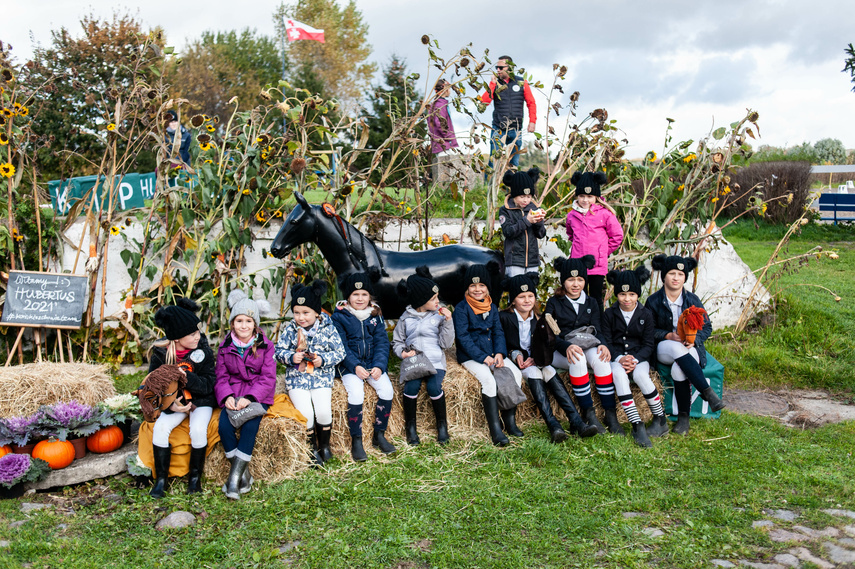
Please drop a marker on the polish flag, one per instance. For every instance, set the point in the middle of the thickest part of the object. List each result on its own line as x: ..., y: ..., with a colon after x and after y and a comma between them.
x: 300, y: 31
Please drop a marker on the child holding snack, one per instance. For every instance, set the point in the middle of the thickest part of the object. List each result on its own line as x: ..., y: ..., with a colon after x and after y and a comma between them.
x: 522, y: 222
x: 311, y: 348
x: 593, y: 229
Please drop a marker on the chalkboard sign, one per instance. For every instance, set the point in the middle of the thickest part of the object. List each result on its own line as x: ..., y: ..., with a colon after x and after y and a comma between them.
x: 52, y: 300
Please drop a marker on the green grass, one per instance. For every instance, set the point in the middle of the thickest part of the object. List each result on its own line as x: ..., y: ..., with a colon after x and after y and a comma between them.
x: 533, y: 504
x: 808, y: 344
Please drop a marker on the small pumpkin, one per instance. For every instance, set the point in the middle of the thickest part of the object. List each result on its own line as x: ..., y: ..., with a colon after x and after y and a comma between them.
x: 107, y: 439
x: 58, y: 454
x: 4, y: 450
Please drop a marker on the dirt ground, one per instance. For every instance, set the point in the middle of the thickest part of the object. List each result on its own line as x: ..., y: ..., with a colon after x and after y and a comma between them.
x: 795, y: 408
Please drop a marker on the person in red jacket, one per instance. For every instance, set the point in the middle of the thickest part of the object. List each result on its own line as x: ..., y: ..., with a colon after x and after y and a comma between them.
x: 246, y: 373
x: 509, y: 94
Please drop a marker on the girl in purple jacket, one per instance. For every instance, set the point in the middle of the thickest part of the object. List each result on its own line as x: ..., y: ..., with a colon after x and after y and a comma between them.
x: 246, y: 373
x: 593, y: 229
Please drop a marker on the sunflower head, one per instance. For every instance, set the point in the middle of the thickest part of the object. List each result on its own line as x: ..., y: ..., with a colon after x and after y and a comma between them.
x: 7, y: 170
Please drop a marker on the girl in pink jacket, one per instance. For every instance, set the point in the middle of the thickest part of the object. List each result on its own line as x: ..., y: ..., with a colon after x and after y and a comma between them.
x: 593, y: 229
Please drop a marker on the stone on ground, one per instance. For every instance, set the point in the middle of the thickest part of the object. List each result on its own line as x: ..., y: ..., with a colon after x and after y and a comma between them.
x: 177, y: 519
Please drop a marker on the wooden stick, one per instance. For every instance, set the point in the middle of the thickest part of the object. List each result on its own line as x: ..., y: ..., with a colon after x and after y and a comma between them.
x: 14, y: 346
x: 38, y: 337
x: 59, y: 343
x: 70, y: 353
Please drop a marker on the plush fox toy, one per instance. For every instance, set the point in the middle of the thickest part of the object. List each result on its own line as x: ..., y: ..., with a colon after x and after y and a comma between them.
x: 690, y: 321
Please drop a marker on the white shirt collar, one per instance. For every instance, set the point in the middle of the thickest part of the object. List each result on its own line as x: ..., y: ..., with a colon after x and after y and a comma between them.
x: 521, y: 319
x: 580, y: 300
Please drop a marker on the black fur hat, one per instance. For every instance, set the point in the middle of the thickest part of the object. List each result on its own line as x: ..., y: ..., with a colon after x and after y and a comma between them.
x: 178, y: 320
x: 419, y: 288
x: 522, y: 183
x: 358, y: 281
x: 574, y: 267
x: 588, y: 183
x: 311, y: 295
x: 628, y: 281
x: 519, y: 284
x: 670, y: 263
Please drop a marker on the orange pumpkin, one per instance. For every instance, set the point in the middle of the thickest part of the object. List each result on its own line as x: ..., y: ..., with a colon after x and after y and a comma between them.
x: 58, y: 454
x: 107, y: 439
x: 4, y: 450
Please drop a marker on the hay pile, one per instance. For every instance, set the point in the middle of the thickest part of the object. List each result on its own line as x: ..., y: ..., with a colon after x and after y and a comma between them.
x: 281, y: 452
x: 340, y: 438
x: 23, y: 388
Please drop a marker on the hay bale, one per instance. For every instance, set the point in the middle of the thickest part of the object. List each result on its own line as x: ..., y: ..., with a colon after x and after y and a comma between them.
x: 281, y: 452
x: 24, y: 388
x: 340, y: 438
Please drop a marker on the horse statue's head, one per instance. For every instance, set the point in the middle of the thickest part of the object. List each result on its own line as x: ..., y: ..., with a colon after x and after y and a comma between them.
x: 299, y: 227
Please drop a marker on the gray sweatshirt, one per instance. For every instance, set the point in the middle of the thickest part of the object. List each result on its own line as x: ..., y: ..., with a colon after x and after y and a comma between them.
x: 428, y: 332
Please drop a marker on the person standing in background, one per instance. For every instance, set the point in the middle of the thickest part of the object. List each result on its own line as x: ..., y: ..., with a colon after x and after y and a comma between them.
x: 442, y: 137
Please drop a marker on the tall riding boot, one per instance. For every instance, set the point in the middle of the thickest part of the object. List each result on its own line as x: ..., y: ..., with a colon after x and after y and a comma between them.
x: 233, y: 482
x: 410, y: 405
x: 378, y: 440
x: 559, y: 392
x: 693, y: 372
x: 711, y: 397
x: 439, y: 411
x: 538, y: 393
x: 639, y: 435
x: 354, y: 424
x: 314, y: 454
x: 381, y: 422
x: 612, y: 422
x: 491, y: 411
x: 509, y: 418
x: 591, y: 419
x: 324, y: 432
x: 658, y: 426
x: 162, y: 455
x: 683, y: 394
x: 197, y: 466
x: 682, y: 426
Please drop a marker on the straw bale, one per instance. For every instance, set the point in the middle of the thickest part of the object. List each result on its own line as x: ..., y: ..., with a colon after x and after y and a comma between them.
x: 281, y: 452
x: 23, y: 388
x: 340, y: 438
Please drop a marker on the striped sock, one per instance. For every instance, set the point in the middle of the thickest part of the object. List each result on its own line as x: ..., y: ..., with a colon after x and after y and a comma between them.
x: 582, y: 390
x: 606, y: 390
x: 655, y: 403
x: 627, y: 403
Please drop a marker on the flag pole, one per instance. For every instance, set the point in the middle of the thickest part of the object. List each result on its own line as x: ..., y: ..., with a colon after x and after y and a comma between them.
x: 284, y: 64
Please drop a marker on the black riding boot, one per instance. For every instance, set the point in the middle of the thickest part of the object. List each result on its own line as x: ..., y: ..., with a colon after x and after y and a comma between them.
x: 357, y: 451
x: 410, y: 405
x: 658, y: 426
x: 439, y: 411
x: 538, y: 393
x: 378, y: 440
x: 324, y: 432
x: 509, y: 418
x: 683, y: 395
x: 591, y: 419
x: 711, y: 397
x: 162, y: 455
x: 559, y: 392
x: 233, y: 482
x: 491, y: 411
x: 612, y: 422
x: 682, y: 426
x: 314, y: 454
x: 197, y: 466
x: 639, y: 435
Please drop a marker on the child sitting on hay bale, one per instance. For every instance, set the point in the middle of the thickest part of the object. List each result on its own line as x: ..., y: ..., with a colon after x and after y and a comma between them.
x: 246, y: 381
x: 628, y: 328
x: 519, y: 322
x: 360, y: 324
x: 481, y: 350
x: 424, y: 328
x: 685, y: 354
x: 311, y: 348
x: 186, y: 347
x: 571, y: 310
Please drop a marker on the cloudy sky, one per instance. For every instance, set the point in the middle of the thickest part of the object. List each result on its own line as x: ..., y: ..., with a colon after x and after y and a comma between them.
x: 701, y: 64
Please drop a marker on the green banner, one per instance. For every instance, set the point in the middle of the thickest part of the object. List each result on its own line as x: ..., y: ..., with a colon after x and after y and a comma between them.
x: 131, y: 191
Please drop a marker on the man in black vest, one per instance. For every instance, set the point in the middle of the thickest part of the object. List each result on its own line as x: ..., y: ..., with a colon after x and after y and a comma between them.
x: 509, y: 93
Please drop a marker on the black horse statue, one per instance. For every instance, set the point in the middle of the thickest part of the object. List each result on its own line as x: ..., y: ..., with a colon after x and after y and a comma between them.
x: 349, y: 251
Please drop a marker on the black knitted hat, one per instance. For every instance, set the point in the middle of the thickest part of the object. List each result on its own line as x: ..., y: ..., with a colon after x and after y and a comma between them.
x: 178, y: 320
x: 311, y: 295
x: 522, y: 183
x: 628, y: 281
x: 520, y: 284
x: 588, y: 183
x: 665, y: 264
x: 419, y: 288
x: 574, y: 267
x: 356, y: 281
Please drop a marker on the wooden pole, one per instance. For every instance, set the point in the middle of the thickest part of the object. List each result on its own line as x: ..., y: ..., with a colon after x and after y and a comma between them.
x: 38, y: 337
x: 59, y: 343
x: 14, y: 346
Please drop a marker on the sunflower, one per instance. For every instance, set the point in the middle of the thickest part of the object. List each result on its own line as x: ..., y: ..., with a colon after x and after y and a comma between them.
x: 651, y: 156
x: 689, y: 158
x: 277, y: 213
x: 7, y: 170
x: 115, y: 230
x: 7, y: 75
x: 681, y: 187
x: 209, y: 161
x: 4, y: 140
x: 245, y: 191
x: 17, y: 236
x: 215, y: 292
x: 17, y: 107
x: 111, y: 127
x: 261, y: 217
x: 715, y: 199
x: 210, y: 128
x: 205, y: 146
x: 23, y: 111
x: 8, y: 113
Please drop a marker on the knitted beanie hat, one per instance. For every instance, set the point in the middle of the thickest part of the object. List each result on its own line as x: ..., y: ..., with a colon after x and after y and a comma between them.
x: 522, y: 183
x: 241, y: 304
x: 520, y: 284
x: 178, y: 320
x: 355, y: 281
x: 476, y: 274
x: 628, y: 281
x: 588, y: 183
x: 311, y: 295
x: 665, y: 264
x: 419, y: 288
x: 574, y: 267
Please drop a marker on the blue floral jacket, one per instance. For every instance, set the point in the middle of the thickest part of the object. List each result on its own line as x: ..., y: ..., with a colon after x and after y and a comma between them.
x: 326, y: 343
